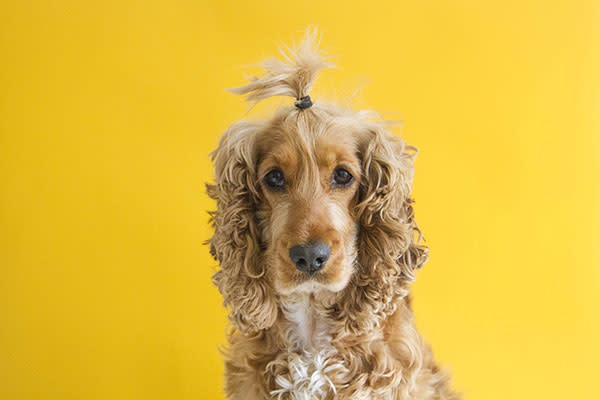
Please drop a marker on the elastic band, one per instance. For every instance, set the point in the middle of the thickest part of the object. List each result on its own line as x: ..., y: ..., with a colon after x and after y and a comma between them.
x: 303, y: 102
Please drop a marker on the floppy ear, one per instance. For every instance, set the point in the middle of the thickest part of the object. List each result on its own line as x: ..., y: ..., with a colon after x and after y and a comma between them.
x: 235, y: 243
x: 389, y: 249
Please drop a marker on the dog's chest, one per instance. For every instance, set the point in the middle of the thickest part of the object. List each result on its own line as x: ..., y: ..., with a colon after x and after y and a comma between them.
x: 312, y: 361
x: 306, y: 329
x: 310, y: 375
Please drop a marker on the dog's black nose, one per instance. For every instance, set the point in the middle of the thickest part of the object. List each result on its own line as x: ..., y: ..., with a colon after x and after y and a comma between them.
x: 311, y: 257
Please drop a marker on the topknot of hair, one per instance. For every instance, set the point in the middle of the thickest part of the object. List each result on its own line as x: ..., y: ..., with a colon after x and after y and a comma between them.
x: 293, y: 76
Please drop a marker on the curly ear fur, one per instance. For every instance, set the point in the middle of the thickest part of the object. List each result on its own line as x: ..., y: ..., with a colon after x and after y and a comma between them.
x: 389, y: 249
x: 235, y: 243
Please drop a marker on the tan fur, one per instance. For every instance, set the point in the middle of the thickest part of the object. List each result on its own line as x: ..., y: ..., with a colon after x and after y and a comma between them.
x: 348, y: 331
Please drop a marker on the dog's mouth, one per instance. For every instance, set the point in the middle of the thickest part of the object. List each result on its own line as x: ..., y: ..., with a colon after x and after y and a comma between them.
x: 317, y: 277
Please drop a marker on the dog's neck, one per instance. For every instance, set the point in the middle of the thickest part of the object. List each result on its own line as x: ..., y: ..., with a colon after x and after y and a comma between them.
x: 308, y: 326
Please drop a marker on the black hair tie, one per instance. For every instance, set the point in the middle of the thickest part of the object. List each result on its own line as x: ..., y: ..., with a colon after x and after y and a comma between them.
x: 303, y: 102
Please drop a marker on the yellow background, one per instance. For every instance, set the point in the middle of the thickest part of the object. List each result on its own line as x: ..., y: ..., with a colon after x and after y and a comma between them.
x: 108, y: 110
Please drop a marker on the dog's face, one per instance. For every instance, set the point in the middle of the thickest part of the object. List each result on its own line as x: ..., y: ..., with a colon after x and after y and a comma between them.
x: 313, y: 202
x: 309, y: 182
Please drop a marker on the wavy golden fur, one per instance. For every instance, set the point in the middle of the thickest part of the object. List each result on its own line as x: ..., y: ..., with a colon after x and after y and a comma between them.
x: 345, y: 331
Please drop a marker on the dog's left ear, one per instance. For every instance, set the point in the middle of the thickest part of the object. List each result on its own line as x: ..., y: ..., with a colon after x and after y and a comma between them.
x: 389, y: 250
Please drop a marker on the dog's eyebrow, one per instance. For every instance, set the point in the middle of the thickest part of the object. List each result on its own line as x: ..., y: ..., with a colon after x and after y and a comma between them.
x: 332, y: 156
x: 272, y: 159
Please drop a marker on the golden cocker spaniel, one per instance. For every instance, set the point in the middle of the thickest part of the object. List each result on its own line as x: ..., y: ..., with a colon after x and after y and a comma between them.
x: 317, y: 244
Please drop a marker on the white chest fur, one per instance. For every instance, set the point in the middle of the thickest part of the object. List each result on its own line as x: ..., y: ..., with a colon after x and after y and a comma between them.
x: 312, y: 361
x: 306, y: 329
x: 309, y: 376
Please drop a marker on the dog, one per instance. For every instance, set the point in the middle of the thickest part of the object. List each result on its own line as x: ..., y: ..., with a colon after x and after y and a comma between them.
x: 317, y: 244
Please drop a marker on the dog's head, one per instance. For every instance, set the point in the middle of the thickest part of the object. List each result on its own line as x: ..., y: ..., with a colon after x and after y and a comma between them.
x: 313, y: 200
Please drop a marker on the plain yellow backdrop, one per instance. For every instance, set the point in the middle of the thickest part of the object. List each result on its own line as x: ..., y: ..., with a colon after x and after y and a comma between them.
x: 108, y: 110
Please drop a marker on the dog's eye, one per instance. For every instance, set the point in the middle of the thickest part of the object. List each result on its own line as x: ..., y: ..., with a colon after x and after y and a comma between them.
x: 342, y: 178
x: 275, y: 180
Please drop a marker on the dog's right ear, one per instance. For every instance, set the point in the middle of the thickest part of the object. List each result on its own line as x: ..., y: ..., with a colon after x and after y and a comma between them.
x: 235, y: 243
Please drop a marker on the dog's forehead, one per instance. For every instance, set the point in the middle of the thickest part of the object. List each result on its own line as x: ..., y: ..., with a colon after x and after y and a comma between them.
x: 336, y: 146
x: 294, y: 148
